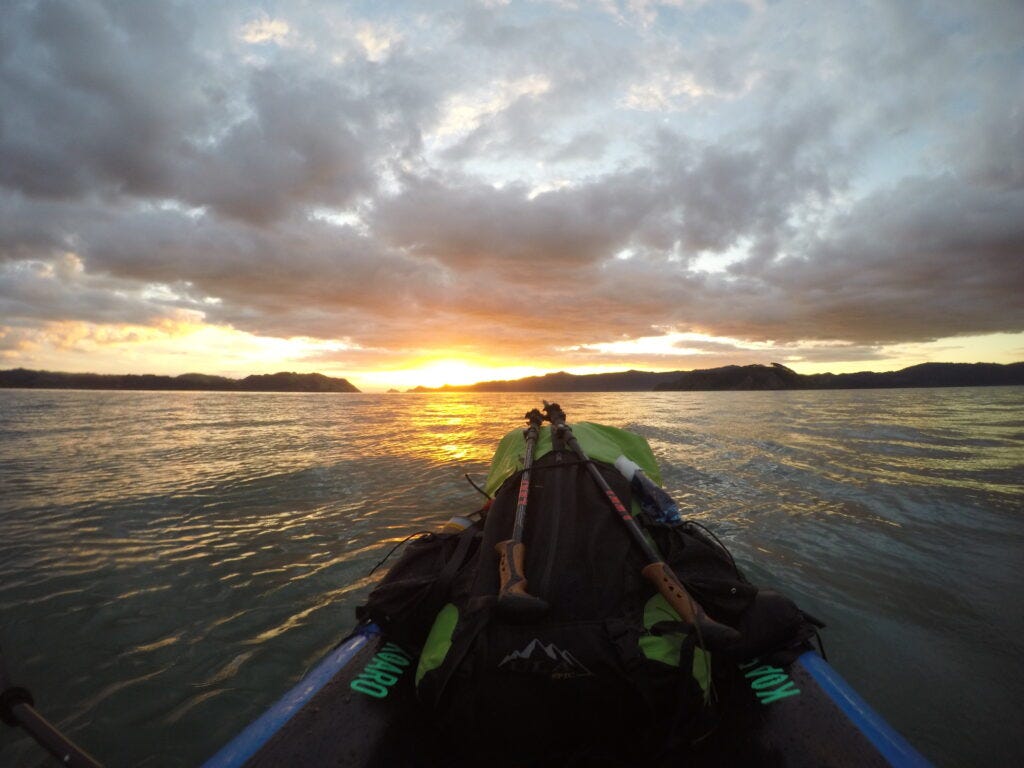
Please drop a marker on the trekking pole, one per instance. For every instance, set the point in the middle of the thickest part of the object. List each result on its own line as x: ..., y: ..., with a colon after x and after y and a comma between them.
x: 16, y: 709
x: 717, y: 636
x: 514, y: 602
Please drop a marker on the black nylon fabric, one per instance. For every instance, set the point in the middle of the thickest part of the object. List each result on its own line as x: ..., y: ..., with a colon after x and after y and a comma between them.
x: 406, y: 601
x: 771, y: 625
x: 579, y: 557
x: 578, y: 676
x: 575, y: 682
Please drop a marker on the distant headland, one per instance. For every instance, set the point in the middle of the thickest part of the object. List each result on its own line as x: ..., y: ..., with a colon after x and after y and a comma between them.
x: 730, y: 377
x: 755, y: 377
x: 269, y: 382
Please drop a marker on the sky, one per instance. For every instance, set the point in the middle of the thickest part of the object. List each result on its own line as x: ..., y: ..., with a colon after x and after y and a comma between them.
x: 446, y: 192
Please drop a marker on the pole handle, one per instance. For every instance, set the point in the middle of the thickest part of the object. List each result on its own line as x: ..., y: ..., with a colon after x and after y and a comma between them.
x: 514, y: 602
x: 715, y: 635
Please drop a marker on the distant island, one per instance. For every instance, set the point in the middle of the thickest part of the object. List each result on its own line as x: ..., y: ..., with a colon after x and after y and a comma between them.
x: 268, y: 382
x: 755, y: 377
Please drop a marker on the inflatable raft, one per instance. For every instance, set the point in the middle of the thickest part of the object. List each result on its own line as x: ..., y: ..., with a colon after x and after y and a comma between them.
x: 346, y: 713
x: 360, y: 706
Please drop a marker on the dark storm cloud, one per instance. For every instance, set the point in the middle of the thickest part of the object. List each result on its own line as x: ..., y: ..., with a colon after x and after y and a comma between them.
x: 749, y: 187
x: 586, y: 145
x: 152, y: 161
x: 60, y: 291
x: 700, y: 197
x: 304, y: 143
x: 298, y: 278
x: 919, y: 262
x: 471, y: 225
x: 131, y: 100
x: 702, y: 354
x: 928, y: 258
x: 990, y: 155
x: 95, y: 96
x: 578, y: 73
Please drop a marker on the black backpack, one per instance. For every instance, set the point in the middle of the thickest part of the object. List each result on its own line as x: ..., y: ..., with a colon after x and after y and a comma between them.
x: 609, y: 672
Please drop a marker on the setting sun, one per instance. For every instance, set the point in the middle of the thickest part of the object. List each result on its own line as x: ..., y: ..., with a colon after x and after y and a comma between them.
x: 438, y: 372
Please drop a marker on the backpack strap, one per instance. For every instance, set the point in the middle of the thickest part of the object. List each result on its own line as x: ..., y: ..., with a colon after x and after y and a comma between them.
x: 441, y: 587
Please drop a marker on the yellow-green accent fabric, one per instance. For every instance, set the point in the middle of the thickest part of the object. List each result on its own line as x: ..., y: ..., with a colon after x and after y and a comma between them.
x: 665, y: 647
x: 439, y: 641
x: 600, y: 443
x: 702, y: 670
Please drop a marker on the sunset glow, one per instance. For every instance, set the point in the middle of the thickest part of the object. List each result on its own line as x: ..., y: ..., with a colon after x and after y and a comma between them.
x: 437, y: 373
x: 418, y: 195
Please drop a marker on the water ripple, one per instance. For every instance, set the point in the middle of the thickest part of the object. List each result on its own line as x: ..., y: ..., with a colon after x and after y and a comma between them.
x: 170, y: 562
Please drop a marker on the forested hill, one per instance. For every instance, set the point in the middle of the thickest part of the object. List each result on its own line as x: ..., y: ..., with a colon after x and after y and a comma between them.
x: 269, y: 382
x: 778, y: 376
x: 756, y: 377
x: 730, y: 377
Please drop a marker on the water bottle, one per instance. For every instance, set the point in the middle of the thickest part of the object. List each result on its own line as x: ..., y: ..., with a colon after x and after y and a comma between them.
x: 654, y: 502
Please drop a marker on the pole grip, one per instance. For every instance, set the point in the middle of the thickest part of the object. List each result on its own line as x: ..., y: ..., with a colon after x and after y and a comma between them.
x: 717, y: 636
x: 514, y: 601
x: 511, y: 556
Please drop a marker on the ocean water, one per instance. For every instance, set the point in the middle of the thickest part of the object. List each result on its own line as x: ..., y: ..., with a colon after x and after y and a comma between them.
x: 171, y: 562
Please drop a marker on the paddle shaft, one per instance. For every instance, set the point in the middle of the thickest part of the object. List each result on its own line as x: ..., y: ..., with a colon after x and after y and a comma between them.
x: 48, y: 737
x: 18, y: 711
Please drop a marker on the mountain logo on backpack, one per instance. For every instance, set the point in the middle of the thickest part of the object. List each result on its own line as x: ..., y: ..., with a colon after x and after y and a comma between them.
x: 546, y: 660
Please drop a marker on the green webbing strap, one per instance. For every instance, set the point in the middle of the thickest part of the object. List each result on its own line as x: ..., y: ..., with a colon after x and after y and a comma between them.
x: 664, y: 641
